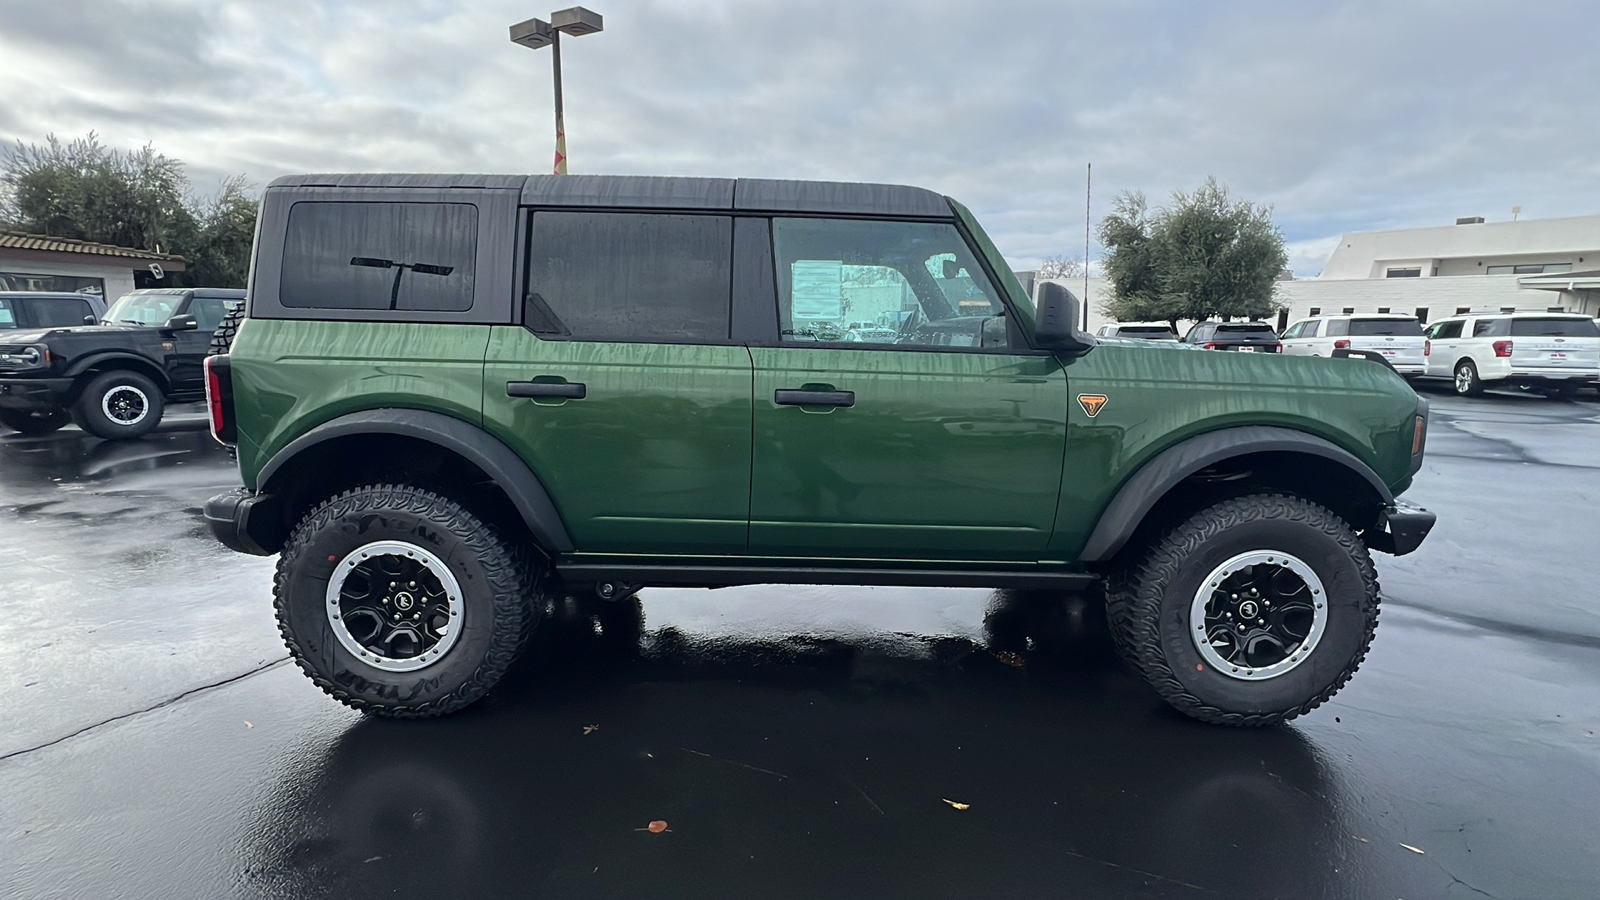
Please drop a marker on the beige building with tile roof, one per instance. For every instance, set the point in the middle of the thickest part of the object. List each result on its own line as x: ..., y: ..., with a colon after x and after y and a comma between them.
x: 36, y: 262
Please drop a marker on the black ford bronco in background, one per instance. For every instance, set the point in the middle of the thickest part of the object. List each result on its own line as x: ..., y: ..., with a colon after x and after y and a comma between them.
x: 114, y: 378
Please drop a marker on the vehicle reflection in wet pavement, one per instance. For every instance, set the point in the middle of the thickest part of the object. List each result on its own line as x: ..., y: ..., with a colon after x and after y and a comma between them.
x: 797, y: 741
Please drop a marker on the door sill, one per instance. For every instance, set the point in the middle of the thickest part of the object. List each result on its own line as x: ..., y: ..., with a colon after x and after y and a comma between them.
x: 729, y: 576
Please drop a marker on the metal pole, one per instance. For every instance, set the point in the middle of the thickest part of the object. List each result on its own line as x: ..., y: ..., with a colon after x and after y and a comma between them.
x: 561, y: 131
x: 1088, y: 185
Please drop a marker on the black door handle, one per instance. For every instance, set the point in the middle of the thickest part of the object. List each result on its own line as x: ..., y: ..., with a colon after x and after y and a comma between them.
x: 814, y: 398
x: 572, y: 391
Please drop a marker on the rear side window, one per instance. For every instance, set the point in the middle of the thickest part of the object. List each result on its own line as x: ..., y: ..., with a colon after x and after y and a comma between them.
x: 1397, y: 327
x: 630, y: 276
x: 1554, y: 327
x: 1149, y: 334
x: 389, y: 256
x: 1311, y: 329
x: 1491, y: 328
x: 56, y: 312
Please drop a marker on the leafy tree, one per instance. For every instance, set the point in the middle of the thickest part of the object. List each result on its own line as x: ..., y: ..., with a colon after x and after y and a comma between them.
x: 1204, y: 255
x: 1060, y: 267
x: 81, y: 189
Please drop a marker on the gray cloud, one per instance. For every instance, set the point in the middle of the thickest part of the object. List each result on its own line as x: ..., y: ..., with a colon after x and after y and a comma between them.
x: 1344, y: 116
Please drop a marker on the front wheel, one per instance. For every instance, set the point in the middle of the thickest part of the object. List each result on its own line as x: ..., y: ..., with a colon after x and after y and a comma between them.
x: 400, y: 602
x: 119, y: 405
x: 1251, y: 612
x: 34, y: 421
x: 1467, y: 382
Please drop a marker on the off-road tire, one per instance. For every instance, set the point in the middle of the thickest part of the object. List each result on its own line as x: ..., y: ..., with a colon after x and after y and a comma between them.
x: 1148, y: 607
x: 1465, y: 380
x: 222, y: 338
x: 34, y: 421
x: 500, y: 586
x: 90, y: 411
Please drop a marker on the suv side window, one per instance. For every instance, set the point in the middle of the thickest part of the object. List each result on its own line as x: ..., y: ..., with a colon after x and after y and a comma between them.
x: 906, y: 284
x: 1294, y: 331
x: 1337, y: 328
x: 1445, y: 330
x: 630, y: 276
x: 8, y: 316
x: 392, y: 256
x: 55, y: 312
x: 1311, y: 328
x: 1491, y: 328
x: 208, y: 312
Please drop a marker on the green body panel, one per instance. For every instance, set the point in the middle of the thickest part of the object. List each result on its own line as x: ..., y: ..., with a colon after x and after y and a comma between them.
x: 1160, y: 394
x: 950, y: 455
x: 656, y: 457
x: 290, y: 376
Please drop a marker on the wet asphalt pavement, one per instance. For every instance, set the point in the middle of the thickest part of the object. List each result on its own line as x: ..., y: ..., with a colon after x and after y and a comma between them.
x: 797, y: 741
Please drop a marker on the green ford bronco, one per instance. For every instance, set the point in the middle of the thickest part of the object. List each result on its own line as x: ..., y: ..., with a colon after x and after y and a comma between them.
x: 455, y: 398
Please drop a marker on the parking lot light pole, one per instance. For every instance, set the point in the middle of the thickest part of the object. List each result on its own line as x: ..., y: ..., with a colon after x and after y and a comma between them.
x: 536, y: 33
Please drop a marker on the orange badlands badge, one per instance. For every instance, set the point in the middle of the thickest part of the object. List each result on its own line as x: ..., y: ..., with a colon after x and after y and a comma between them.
x: 1092, y: 403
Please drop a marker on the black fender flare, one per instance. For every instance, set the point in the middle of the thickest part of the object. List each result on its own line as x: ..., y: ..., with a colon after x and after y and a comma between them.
x: 1166, y: 469
x: 503, y: 466
x: 143, y: 364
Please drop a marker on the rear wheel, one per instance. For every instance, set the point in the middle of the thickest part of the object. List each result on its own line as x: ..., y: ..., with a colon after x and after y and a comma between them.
x: 119, y: 405
x: 1467, y: 382
x: 34, y: 421
x: 1251, y: 612
x: 400, y: 602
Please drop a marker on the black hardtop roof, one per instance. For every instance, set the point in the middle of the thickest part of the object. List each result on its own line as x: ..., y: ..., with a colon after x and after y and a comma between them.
x: 58, y: 295
x: 664, y: 192
x: 222, y: 293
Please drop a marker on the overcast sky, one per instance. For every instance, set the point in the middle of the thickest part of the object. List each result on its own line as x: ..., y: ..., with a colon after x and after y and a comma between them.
x: 1342, y: 116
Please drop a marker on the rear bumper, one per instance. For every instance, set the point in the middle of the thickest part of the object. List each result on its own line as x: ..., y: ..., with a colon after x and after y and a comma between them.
x: 246, y: 522
x: 1402, y: 530
x: 35, y: 393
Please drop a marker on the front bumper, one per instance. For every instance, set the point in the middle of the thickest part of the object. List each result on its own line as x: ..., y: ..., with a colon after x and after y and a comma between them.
x: 1401, y: 530
x: 247, y: 522
x: 35, y: 393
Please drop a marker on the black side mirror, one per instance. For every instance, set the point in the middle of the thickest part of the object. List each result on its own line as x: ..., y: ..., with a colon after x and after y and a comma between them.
x: 91, y: 320
x: 181, y: 323
x: 1057, y: 328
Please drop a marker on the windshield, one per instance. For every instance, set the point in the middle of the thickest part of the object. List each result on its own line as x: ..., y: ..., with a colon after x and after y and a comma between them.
x: 1401, y: 327
x: 1553, y: 327
x: 143, y: 309
x: 1149, y: 333
x: 8, y: 316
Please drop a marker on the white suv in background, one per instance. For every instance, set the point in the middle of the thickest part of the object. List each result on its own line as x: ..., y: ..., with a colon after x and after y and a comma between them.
x: 1553, y: 352
x: 1397, y: 337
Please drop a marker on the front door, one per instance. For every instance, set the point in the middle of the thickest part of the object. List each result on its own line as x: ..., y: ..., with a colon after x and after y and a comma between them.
x: 895, y: 419
x: 622, y: 390
x: 186, y: 359
x: 1444, y: 347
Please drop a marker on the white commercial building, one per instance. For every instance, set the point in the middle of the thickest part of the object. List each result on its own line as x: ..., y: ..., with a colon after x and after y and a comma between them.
x: 36, y: 262
x: 1534, y: 264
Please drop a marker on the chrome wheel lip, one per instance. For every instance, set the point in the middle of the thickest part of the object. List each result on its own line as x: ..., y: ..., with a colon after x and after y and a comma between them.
x: 434, y: 565
x: 1208, y: 587
x: 139, y: 396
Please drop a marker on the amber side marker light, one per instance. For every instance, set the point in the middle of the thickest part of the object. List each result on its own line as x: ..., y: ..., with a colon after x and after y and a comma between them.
x: 1416, y: 435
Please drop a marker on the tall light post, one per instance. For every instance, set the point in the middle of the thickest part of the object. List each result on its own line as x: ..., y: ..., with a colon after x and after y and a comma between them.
x: 536, y: 33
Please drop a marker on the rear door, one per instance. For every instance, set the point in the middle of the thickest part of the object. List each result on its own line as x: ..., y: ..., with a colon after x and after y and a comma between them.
x: 1556, y: 344
x: 943, y: 441
x: 622, y: 387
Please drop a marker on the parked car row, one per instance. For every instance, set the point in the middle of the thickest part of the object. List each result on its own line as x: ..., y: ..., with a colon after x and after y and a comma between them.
x: 1552, y: 353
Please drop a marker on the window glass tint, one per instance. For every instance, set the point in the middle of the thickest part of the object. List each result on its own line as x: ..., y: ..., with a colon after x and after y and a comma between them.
x: 626, y: 275
x: 1149, y: 333
x: 143, y: 309
x: 208, y: 312
x: 1448, y: 330
x: 1490, y: 327
x: 1248, y: 331
x: 1337, y: 328
x: 8, y: 316
x: 400, y: 256
x: 1401, y: 327
x: 55, y: 312
x: 1554, y: 327
x: 1311, y: 329
x: 901, y: 283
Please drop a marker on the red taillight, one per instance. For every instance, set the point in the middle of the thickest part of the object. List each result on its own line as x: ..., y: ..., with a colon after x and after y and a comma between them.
x: 1427, y: 348
x: 1211, y: 345
x: 1341, y: 344
x: 1274, y: 347
x: 1502, y: 348
x: 219, y: 397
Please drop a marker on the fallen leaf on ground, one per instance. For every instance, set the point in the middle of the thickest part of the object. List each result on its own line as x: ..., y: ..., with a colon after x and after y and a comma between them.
x: 589, y: 729
x: 957, y: 805
x: 1411, y: 848
x: 656, y: 827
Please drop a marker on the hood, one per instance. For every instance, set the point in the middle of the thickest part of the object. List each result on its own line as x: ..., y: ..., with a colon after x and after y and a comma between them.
x: 26, y: 336
x: 35, y: 335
